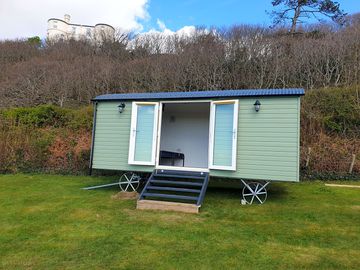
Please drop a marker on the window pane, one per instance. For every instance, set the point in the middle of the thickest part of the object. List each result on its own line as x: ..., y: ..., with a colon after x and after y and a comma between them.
x: 223, y: 134
x: 144, y: 132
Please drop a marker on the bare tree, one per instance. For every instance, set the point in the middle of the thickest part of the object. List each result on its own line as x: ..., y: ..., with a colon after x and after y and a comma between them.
x: 71, y: 72
x: 296, y: 10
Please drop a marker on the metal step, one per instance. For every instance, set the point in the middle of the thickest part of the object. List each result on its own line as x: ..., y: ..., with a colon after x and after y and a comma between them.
x: 174, y: 189
x: 176, y: 172
x: 170, y: 196
x: 180, y: 176
x: 180, y: 183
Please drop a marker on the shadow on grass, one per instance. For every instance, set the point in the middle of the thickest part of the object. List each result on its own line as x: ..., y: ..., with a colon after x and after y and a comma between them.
x: 224, y: 192
x: 277, y: 192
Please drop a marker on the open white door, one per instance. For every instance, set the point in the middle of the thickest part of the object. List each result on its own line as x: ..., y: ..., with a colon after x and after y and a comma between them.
x: 223, y: 134
x: 144, y: 124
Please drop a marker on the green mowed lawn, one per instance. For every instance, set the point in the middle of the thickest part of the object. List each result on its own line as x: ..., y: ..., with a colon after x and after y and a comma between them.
x: 48, y: 222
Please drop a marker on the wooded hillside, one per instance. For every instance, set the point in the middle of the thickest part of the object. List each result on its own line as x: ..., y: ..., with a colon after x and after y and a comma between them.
x: 71, y: 73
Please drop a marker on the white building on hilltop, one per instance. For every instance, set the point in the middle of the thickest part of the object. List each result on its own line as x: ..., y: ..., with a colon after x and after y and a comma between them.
x: 63, y: 29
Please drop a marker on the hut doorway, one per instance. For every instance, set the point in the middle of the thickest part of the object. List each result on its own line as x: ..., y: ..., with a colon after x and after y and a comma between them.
x: 183, y: 140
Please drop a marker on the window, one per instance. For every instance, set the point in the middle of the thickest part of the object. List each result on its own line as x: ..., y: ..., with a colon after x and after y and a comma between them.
x: 55, y: 26
x: 73, y: 29
x: 144, y: 124
x: 223, y: 134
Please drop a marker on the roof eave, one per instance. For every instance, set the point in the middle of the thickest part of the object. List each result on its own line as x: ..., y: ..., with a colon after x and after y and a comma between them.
x: 192, y: 98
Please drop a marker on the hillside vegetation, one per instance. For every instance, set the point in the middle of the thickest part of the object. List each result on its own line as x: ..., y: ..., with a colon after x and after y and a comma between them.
x: 45, y: 89
x: 54, y: 139
x: 72, y: 72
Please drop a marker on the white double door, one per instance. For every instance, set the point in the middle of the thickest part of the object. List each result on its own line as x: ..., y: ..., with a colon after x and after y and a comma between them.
x: 222, y: 134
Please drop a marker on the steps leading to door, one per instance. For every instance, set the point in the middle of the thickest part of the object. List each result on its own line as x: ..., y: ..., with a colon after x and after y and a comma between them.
x: 182, y: 191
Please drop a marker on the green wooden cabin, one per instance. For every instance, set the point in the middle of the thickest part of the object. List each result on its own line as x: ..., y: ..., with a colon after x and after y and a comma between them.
x: 241, y: 134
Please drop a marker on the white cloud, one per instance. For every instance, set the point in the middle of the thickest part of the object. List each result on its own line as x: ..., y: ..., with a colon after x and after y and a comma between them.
x: 24, y: 18
x: 186, y: 31
x: 182, y: 32
x: 161, y: 24
x: 163, y: 34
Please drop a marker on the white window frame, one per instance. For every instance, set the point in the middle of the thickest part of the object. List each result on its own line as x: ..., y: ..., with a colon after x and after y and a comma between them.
x: 235, y: 134
x: 132, y: 139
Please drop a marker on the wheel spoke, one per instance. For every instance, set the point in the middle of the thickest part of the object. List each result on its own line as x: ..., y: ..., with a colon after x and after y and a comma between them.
x: 135, y: 181
x: 132, y: 186
x: 248, y: 194
x: 259, y: 193
x: 257, y: 186
x: 252, y: 199
x: 250, y: 189
x: 264, y: 186
x: 259, y: 199
x: 248, y: 186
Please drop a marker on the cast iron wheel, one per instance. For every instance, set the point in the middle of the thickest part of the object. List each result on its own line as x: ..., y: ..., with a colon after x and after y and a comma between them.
x: 254, y: 192
x: 129, y: 181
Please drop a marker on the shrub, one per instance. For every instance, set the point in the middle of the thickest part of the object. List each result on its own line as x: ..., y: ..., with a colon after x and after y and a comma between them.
x: 45, y: 138
x: 49, y: 116
x: 337, y: 110
x: 82, y: 118
x: 40, y: 116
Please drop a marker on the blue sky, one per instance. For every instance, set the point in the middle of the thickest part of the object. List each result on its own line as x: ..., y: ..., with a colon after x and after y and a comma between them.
x: 19, y: 20
x: 176, y: 14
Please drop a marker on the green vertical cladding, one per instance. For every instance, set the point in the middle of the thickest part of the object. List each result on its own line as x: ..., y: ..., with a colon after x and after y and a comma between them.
x: 112, y: 135
x: 267, y: 145
x: 268, y: 140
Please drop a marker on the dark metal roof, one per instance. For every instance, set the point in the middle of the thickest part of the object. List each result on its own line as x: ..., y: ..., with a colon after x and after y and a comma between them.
x: 202, y: 94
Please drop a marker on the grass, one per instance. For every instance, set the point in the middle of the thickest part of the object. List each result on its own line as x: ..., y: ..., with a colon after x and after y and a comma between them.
x: 48, y: 222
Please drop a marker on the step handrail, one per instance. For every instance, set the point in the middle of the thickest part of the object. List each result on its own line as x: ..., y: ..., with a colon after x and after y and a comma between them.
x: 141, y: 197
x: 203, y: 190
